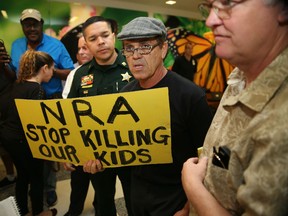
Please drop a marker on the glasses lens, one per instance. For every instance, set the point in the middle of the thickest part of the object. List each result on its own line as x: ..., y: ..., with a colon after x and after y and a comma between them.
x: 225, y: 3
x: 220, y: 7
x: 222, y: 13
x: 127, y: 52
x: 144, y: 50
x: 223, y: 8
x: 204, y: 9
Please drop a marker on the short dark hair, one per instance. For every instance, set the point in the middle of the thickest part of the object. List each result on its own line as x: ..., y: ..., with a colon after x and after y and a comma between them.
x: 112, y: 24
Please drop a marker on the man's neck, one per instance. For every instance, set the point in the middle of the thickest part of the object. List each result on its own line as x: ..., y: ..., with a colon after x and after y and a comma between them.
x: 156, y: 78
x: 32, y: 45
x: 187, y: 56
x: 109, y: 61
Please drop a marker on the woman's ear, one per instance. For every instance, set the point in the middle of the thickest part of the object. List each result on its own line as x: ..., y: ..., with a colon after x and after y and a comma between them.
x: 45, y: 67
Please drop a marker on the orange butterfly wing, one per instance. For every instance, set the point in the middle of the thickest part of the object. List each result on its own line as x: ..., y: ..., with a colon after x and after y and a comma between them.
x: 212, y: 72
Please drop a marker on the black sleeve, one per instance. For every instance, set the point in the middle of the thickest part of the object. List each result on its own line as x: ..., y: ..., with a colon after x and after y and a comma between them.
x: 202, y: 118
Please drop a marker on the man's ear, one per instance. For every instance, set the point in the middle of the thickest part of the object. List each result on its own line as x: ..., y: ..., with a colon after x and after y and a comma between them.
x: 164, y: 50
x: 283, y: 16
x: 114, y: 37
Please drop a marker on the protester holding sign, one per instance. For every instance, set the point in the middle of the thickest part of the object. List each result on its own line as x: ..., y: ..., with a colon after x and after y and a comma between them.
x: 106, y: 73
x: 35, y: 67
x: 157, y: 189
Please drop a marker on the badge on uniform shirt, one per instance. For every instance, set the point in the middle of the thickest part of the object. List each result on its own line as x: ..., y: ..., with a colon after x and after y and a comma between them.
x: 126, y: 77
x: 193, y: 62
x: 87, y: 80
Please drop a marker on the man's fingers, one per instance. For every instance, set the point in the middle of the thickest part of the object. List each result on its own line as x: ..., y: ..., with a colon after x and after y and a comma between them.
x: 93, y: 166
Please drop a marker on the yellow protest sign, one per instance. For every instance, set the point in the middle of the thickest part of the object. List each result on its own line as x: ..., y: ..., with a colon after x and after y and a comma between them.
x: 121, y: 129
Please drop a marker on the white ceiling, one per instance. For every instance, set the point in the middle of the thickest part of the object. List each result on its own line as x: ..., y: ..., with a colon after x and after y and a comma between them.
x: 184, y: 8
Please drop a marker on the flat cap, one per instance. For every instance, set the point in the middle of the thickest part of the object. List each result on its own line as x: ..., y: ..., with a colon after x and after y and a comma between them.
x: 142, y: 27
x: 30, y: 13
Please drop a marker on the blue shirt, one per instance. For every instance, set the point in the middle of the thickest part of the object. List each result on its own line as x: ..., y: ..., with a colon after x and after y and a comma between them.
x: 53, y: 47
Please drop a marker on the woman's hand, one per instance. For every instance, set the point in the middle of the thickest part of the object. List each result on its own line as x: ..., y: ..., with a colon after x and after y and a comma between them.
x: 184, y: 211
x: 193, y: 173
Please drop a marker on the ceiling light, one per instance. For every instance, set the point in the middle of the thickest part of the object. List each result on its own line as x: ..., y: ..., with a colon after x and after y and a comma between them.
x: 4, y: 14
x: 170, y: 2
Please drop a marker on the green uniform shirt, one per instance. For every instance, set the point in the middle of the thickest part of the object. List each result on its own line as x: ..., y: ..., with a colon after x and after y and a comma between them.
x: 94, y: 79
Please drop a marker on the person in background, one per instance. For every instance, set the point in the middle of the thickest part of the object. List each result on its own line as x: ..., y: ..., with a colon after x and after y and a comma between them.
x: 243, y: 167
x: 79, y: 179
x: 186, y: 64
x: 7, y: 77
x: 83, y: 55
x: 35, y: 67
x: 107, y: 73
x: 156, y: 189
x: 32, y: 26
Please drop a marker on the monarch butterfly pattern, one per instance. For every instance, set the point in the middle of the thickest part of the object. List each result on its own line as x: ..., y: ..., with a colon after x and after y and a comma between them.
x: 212, y: 71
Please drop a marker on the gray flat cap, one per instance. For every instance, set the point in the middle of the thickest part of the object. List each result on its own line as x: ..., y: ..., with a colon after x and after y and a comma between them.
x: 142, y: 27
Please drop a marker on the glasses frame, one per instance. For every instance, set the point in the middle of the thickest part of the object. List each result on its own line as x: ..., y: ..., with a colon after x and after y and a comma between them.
x: 132, y: 50
x: 222, y: 8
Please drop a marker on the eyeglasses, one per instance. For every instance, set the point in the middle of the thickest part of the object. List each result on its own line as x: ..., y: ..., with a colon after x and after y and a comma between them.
x: 142, y: 50
x: 222, y: 8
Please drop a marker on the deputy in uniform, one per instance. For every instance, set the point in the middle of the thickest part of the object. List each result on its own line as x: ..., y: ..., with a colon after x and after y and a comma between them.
x: 107, y: 73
